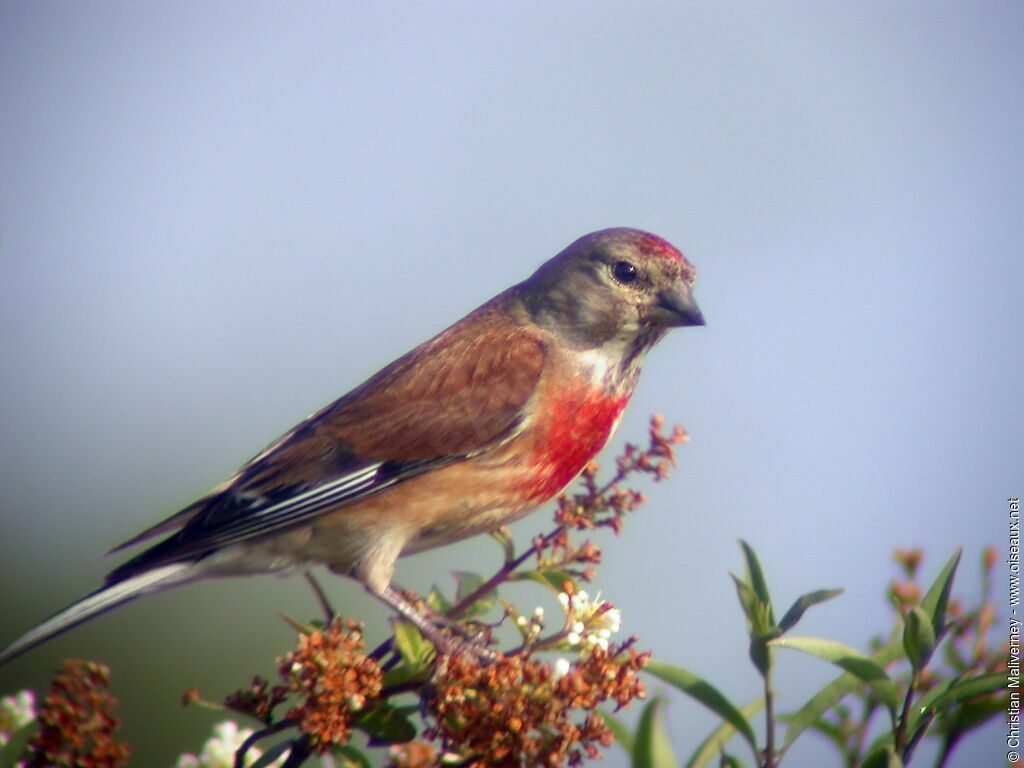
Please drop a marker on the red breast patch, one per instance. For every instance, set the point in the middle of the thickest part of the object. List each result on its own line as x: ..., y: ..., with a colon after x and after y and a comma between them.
x: 581, y: 423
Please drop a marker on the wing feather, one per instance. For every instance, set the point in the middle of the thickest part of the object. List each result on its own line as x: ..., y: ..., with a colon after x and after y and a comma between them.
x: 457, y: 395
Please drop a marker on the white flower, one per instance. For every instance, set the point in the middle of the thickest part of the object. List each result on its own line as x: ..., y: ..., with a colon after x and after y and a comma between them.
x: 531, y: 626
x: 15, y: 713
x: 561, y: 668
x: 592, y: 623
x: 219, y: 751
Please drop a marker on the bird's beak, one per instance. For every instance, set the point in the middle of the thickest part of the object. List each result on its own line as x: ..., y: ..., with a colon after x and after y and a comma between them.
x: 677, y: 307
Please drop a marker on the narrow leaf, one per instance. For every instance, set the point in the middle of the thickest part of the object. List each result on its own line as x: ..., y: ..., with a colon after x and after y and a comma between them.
x: 350, y: 757
x: 508, y: 545
x: 271, y: 755
x: 918, y: 637
x: 623, y: 736
x: 974, y: 714
x: 936, y: 599
x: 651, y: 747
x: 299, y: 626
x: 748, y: 600
x: 883, y: 757
x: 13, y: 752
x: 386, y: 725
x: 757, y: 579
x: 760, y: 655
x: 796, y: 611
x: 834, y: 692
x: 706, y: 694
x: 712, y: 746
x: 946, y: 695
x: 849, y: 659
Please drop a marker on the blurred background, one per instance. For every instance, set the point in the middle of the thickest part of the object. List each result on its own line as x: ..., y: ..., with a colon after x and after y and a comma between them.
x: 217, y: 217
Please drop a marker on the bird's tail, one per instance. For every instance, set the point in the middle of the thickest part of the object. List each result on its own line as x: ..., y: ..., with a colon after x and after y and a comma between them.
x: 99, y: 602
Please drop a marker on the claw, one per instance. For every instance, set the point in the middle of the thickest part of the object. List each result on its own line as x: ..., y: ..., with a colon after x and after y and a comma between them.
x: 447, y: 636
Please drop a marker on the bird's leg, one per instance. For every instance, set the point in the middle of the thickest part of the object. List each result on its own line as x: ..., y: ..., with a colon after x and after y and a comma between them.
x: 448, y: 637
x: 321, y: 597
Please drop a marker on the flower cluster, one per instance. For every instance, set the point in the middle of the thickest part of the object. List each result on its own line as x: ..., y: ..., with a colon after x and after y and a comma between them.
x: 329, y: 673
x: 592, y: 623
x: 77, y: 722
x: 518, y: 711
x: 335, y: 679
x: 219, y: 750
x: 15, y: 713
x: 417, y: 754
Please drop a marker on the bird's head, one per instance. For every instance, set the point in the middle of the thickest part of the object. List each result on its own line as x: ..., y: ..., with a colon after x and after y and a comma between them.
x: 616, y: 288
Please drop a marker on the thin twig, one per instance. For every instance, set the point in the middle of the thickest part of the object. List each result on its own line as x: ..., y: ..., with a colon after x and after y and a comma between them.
x: 321, y: 596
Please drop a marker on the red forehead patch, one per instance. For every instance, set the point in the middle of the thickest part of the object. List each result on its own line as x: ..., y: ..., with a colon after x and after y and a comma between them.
x: 653, y: 245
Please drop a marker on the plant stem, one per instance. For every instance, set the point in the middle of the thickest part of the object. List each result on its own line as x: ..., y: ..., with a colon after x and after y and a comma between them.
x: 769, y: 722
x: 900, y: 737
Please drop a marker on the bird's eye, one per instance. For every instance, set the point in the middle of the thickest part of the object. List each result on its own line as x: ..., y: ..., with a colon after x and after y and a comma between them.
x: 624, y: 272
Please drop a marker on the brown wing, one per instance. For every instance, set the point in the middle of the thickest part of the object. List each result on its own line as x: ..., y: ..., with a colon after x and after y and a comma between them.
x: 453, y: 397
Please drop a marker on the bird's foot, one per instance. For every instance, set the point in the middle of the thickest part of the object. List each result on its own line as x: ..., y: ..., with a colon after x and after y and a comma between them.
x: 455, y: 640
x: 448, y: 637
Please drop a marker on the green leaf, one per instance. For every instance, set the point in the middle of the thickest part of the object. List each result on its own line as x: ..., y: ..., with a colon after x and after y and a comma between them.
x: 845, y: 657
x: 385, y: 724
x: 730, y: 761
x: 437, y: 602
x: 918, y: 637
x: 404, y: 674
x: 619, y: 730
x: 973, y: 714
x: 299, y: 626
x: 705, y: 693
x: 272, y: 754
x: 796, y: 611
x: 834, y: 692
x: 712, y: 746
x: 748, y: 600
x: 553, y: 580
x: 946, y: 695
x: 350, y: 757
x: 757, y: 580
x: 760, y: 652
x: 936, y: 600
x: 651, y: 747
x: 883, y: 757
x: 508, y: 545
x: 414, y: 649
x: 828, y: 729
x: 468, y: 583
x: 15, y: 749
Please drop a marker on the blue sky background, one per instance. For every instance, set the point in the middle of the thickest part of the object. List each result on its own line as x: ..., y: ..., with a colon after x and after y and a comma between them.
x: 216, y: 217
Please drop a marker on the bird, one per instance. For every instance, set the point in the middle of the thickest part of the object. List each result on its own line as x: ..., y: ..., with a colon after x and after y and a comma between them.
x: 469, y: 431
